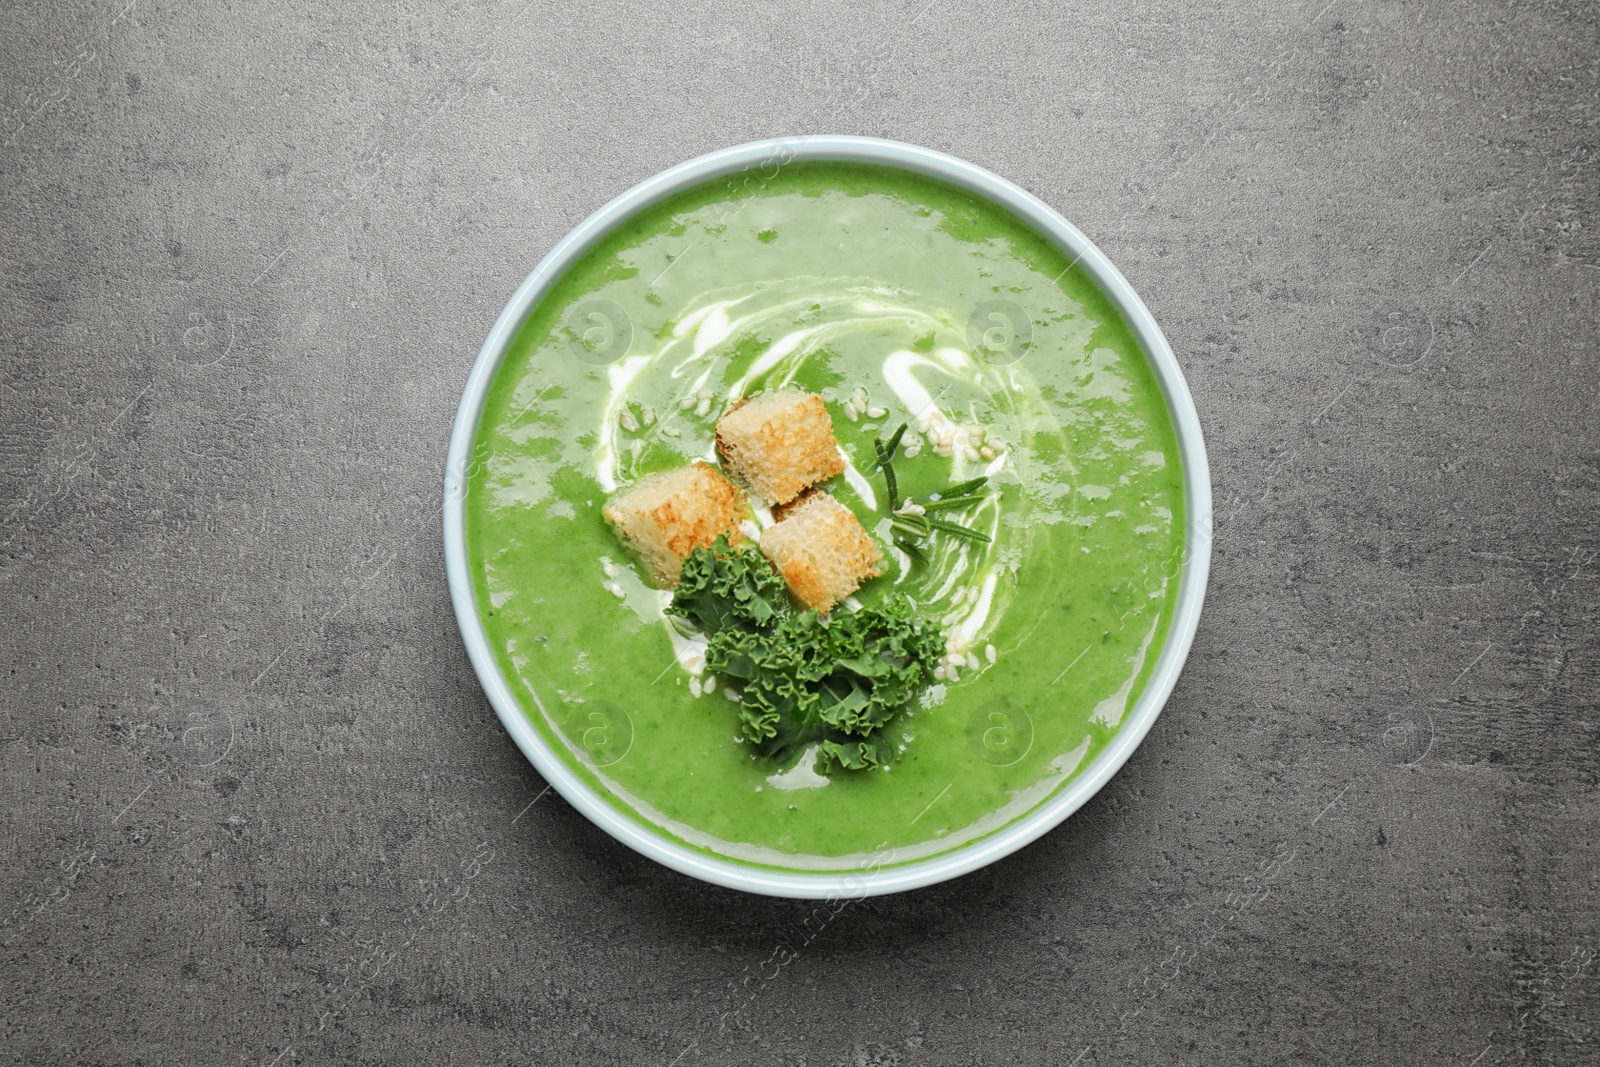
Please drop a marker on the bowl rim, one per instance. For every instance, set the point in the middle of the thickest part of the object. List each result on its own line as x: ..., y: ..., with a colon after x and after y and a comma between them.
x: 869, y: 879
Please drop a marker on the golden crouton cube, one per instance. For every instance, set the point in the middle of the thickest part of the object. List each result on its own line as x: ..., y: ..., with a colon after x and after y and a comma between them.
x: 780, y: 444
x: 665, y: 516
x: 821, y: 550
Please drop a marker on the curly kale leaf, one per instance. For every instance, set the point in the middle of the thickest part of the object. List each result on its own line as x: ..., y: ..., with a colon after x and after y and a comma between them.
x: 835, y: 680
x: 722, y: 587
x: 806, y: 679
x: 854, y: 754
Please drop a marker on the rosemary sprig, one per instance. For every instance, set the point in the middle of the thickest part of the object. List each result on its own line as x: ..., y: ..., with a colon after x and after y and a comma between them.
x: 965, y: 488
x: 909, y: 528
x: 886, y: 452
x: 910, y: 548
x: 886, y: 465
x: 957, y: 529
x: 908, y: 525
x: 949, y: 504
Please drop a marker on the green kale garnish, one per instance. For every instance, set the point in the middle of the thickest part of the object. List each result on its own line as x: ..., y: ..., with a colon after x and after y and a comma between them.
x: 723, y: 586
x: 831, y: 680
x: 805, y: 678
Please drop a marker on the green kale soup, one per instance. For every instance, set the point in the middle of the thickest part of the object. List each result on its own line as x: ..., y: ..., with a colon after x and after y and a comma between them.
x: 899, y: 299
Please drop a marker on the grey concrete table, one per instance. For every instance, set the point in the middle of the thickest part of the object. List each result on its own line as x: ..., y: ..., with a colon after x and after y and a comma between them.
x: 254, y: 807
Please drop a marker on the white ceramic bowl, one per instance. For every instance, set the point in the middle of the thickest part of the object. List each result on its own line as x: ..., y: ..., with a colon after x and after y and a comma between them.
x: 761, y: 157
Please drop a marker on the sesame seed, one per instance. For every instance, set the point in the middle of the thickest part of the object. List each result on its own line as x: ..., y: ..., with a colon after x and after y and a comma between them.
x: 972, y: 661
x: 986, y: 452
x: 628, y: 422
x: 990, y: 654
x: 686, y: 403
x: 649, y: 416
x: 671, y: 431
x: 704, y: 407
x: 694, y: 686
x: 711, y: 679
x: 877, y: 412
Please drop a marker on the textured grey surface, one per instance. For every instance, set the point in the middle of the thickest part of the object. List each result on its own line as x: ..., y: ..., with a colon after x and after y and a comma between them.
x: 254, y: 807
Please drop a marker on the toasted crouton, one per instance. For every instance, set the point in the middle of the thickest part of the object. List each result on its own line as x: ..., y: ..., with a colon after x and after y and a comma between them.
x: 821, y: 550
x: 665, y: 516
x: 780, y: 444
